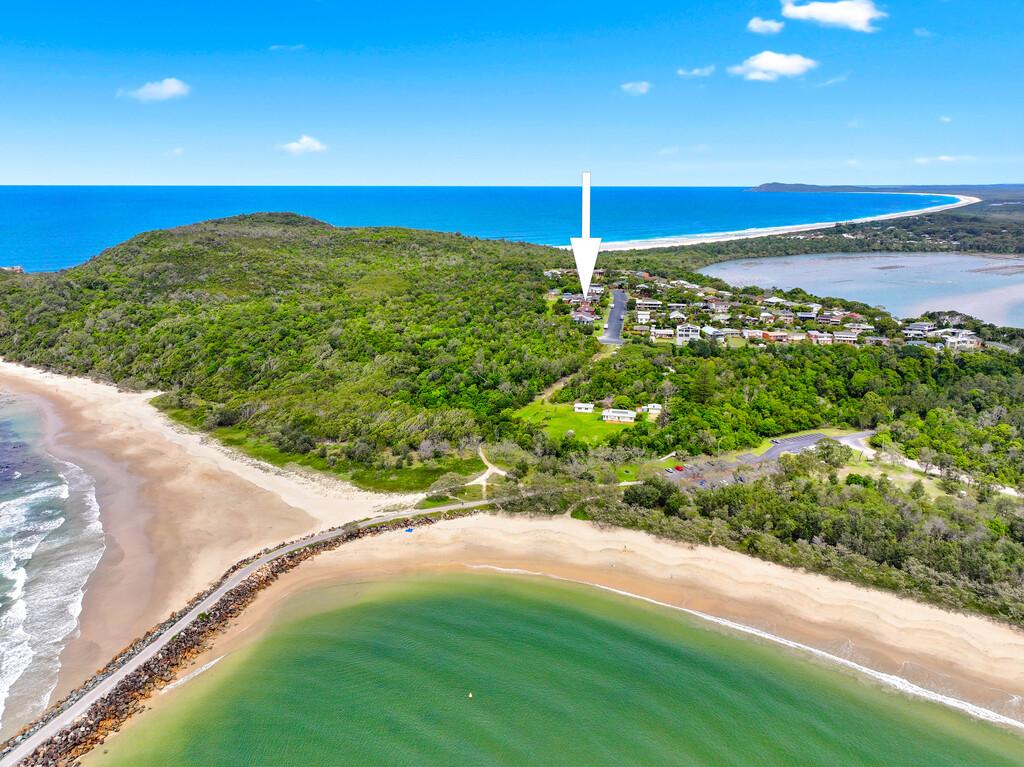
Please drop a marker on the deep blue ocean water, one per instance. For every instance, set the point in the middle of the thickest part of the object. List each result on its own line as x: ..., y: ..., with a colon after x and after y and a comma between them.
x: 47, y: 228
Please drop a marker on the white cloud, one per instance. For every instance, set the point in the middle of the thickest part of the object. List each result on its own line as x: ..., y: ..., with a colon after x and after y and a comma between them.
x: 299, y: 47
x: 640, y: 88
x: 945, y: 119
x: 922, y: 32
x: 857, y: 15
x: 943, y: 158
x: 159, y: 90
x: 304, y: 145
x: 853, y: 163
x: 769, y: 66
x: 765, y: 26
x: 178, y: 151
x: 697, y: 71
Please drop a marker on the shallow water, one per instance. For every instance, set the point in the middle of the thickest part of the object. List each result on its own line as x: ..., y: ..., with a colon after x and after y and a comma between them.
x: 382, y: 673
x: 906, y: 284
x: 51, y: 540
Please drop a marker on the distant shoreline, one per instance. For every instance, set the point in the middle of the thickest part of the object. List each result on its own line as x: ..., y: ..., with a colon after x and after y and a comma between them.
x: 745, y: 234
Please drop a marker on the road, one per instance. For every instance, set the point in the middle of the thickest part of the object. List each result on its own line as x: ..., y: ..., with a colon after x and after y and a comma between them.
x: 616, y: 317
x: 81, y: 706
x: 797, y: 444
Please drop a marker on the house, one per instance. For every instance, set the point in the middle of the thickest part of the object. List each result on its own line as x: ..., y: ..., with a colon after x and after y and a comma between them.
x: 818, y: 338
x: 785, y: 317
x: 618, y: 415
x: 720, y: 317
x: 686, y: 333
x: 962, y: 341
x: 648, y: 303
x: 583, y: 317
x: 677, y: 315
x: 776, y: 336
x: 657, y: 333
x: 731, y: 332
x: 918, y: 329
x: 831, y: 318
x: 847, y: 337
x: 875, y: 340
x: 583, y: 407
x: 643, y: 318
x: 653, y: 408
x: 806, y: 316
x: 750, y: 333
x: 776, y: 301
x: 861, y: 327
x: 713, y: 334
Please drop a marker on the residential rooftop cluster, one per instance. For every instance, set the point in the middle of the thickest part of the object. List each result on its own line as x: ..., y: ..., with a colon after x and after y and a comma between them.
x: 680, y: 311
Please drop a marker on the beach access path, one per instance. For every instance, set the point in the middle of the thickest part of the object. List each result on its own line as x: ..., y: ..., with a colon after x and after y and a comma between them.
x: 80, y: 706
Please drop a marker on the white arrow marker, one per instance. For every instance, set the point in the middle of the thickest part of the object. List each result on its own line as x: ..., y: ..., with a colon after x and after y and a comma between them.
x: 585, y: 248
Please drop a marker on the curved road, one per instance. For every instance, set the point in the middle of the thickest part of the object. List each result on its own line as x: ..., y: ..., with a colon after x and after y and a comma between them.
x: 81, y: 706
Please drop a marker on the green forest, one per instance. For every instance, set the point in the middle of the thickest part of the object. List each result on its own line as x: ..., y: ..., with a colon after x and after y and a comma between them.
x: 387, y: 355
x: 963, y: 410
x: 959, y: 552
x: 356, y: 348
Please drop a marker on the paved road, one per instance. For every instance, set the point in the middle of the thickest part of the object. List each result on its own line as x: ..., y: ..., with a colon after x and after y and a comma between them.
x: 795, y: 445
x: 77, y: 709
x: 616, y: 316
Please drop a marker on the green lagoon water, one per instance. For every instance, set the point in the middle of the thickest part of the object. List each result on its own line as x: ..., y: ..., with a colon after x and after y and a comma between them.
x: 560, y: 674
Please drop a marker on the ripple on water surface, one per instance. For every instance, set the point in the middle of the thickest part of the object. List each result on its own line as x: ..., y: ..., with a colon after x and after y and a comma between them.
x: 559, y: 674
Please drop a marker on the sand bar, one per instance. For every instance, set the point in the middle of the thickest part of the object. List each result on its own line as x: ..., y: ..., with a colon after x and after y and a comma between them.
x: 966, y: 657
x: 745, y: 234
x: 176, y: 508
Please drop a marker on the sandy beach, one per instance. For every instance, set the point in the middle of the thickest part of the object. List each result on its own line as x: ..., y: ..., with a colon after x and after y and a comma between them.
x: 744, y: 234
x: 176, y: 509
x: 967, y: 657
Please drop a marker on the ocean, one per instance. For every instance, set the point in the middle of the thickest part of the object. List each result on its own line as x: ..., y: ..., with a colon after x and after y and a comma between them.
x: 906, y: 284
x: 508, y: 670
x: 44, y: 228
x: 51, y: 539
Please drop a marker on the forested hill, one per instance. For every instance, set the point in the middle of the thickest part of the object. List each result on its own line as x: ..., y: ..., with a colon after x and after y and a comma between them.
x: 373, y: 341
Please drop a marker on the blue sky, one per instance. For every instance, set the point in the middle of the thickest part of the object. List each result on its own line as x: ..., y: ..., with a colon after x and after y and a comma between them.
x: 306, y: 92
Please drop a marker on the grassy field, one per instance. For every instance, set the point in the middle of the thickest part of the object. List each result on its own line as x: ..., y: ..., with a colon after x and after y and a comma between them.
x: 558, y: 419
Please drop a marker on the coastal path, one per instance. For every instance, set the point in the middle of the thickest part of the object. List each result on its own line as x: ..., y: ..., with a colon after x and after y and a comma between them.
x: 80, y: 706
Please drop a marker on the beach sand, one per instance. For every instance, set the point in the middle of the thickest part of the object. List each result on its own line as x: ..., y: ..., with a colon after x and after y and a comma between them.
x: 695, y: 239
x: 967, y: 657
x: 177, y: 509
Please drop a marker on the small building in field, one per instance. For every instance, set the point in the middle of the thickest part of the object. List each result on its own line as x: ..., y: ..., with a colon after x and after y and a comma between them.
x: 618, y: 415
x: 653, y: 408
x: 583, y: 407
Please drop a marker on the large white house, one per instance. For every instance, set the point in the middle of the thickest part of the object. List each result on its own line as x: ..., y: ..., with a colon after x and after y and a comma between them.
x: 686, y: 333
x: 618, y: 415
